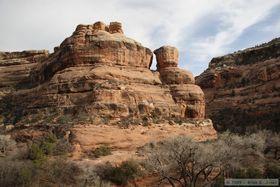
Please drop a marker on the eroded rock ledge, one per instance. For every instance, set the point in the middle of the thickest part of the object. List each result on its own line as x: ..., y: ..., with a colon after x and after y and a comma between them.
x: 100, y: 74
x: 242, y: 89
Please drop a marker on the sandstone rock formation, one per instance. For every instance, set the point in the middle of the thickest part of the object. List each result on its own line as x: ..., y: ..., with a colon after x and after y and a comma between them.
x: 100, y: 74
x: 181, y: 83
x: 243, y: 89
x: 15, y: 68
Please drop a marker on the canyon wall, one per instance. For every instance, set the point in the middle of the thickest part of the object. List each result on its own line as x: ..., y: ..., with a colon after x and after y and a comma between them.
x: 15, y: 69
x: 242, y: 89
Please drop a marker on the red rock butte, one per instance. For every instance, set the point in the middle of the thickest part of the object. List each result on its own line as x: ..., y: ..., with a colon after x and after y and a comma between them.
x: 100, y: 72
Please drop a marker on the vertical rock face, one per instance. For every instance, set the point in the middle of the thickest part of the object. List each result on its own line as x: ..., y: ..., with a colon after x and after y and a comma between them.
x: 167, y: 56
x: 15, y: 69
x: 189, y: 96
x: 243, y: 89
x: 115, y: 27
x: 98, y: 72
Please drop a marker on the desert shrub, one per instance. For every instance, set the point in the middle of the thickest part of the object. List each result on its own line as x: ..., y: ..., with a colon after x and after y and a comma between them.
x: 243, y: 121
x: 130, y: 120
x: 156, y: 116
x: 32, y: 119
x: 272, y: 171
x: 49, y: 118
x: 272, y: 144
x: 54, y: 146
x: 219, y: 182
x: 81, y: 117
x: 6, y: 143
x: 103, y: 150
x: 91, y: 179
x: 178, y: 120
x: 25, y: 173
x: 51, y: 138
x: 61, y: 172
x: 97, y: 86
x: 65, y: 119
x: 254, y: 173
x: 62, y: 147
x: 244, y: 144
x: 249, y: 172
x: 119, y: 175
x: 183, y: 162
x: 15, y: 173
x: 36, y: 154
x: 125, y: 122
x: 49, y: 145
x: 238, y: 173
x: 105, y: 120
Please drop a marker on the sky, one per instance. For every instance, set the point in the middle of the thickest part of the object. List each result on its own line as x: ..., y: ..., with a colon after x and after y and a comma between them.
x: 200, y: 29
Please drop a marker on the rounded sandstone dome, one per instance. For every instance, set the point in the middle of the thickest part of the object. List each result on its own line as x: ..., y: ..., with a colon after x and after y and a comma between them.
x: 99, y: 43
x: 167, y: 56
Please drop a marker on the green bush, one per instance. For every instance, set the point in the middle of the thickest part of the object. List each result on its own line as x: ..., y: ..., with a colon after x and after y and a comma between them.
x: 65, y: 119
x: 103, y: 150
x: 219, y: 182
x: 36, y: 154
x: 247, y: 173
x: 254, y: 173
x: 272, y: 171
x: 47, y: 148
x: 156, y: 116
x: 62, y: 147
x: 49, y: 145
x: 178, y: 120
x: 53, y: 146
x: 119, y: 175
x: 51, y: 138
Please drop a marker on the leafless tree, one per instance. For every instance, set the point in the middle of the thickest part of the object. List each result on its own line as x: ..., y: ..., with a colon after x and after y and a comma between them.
x: 272, y: 144
x: 6, y: 143
x: 183, y: 162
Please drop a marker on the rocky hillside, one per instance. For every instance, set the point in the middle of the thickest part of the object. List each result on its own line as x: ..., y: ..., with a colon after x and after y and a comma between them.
x: 98, y: 75
x: 242, y: 89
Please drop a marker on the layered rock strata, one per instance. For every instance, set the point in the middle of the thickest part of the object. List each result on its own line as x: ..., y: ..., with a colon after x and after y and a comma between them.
x: 243, y: 89
x: 98, y: 72
x: 15, y: 69
x: 185, y: 93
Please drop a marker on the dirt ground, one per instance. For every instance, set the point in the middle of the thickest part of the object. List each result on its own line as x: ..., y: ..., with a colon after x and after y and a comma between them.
x: 126, y: 142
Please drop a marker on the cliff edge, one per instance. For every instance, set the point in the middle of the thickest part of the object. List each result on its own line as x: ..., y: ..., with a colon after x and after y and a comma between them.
x: 242, y: 89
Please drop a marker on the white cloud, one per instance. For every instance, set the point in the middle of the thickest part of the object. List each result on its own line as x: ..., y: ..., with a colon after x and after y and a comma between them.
x: 273, y: 28
x: 237, y: 16
x: 44, y: 24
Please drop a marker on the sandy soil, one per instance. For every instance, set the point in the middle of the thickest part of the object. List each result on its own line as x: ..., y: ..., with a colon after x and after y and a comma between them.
x: 126, y: 142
